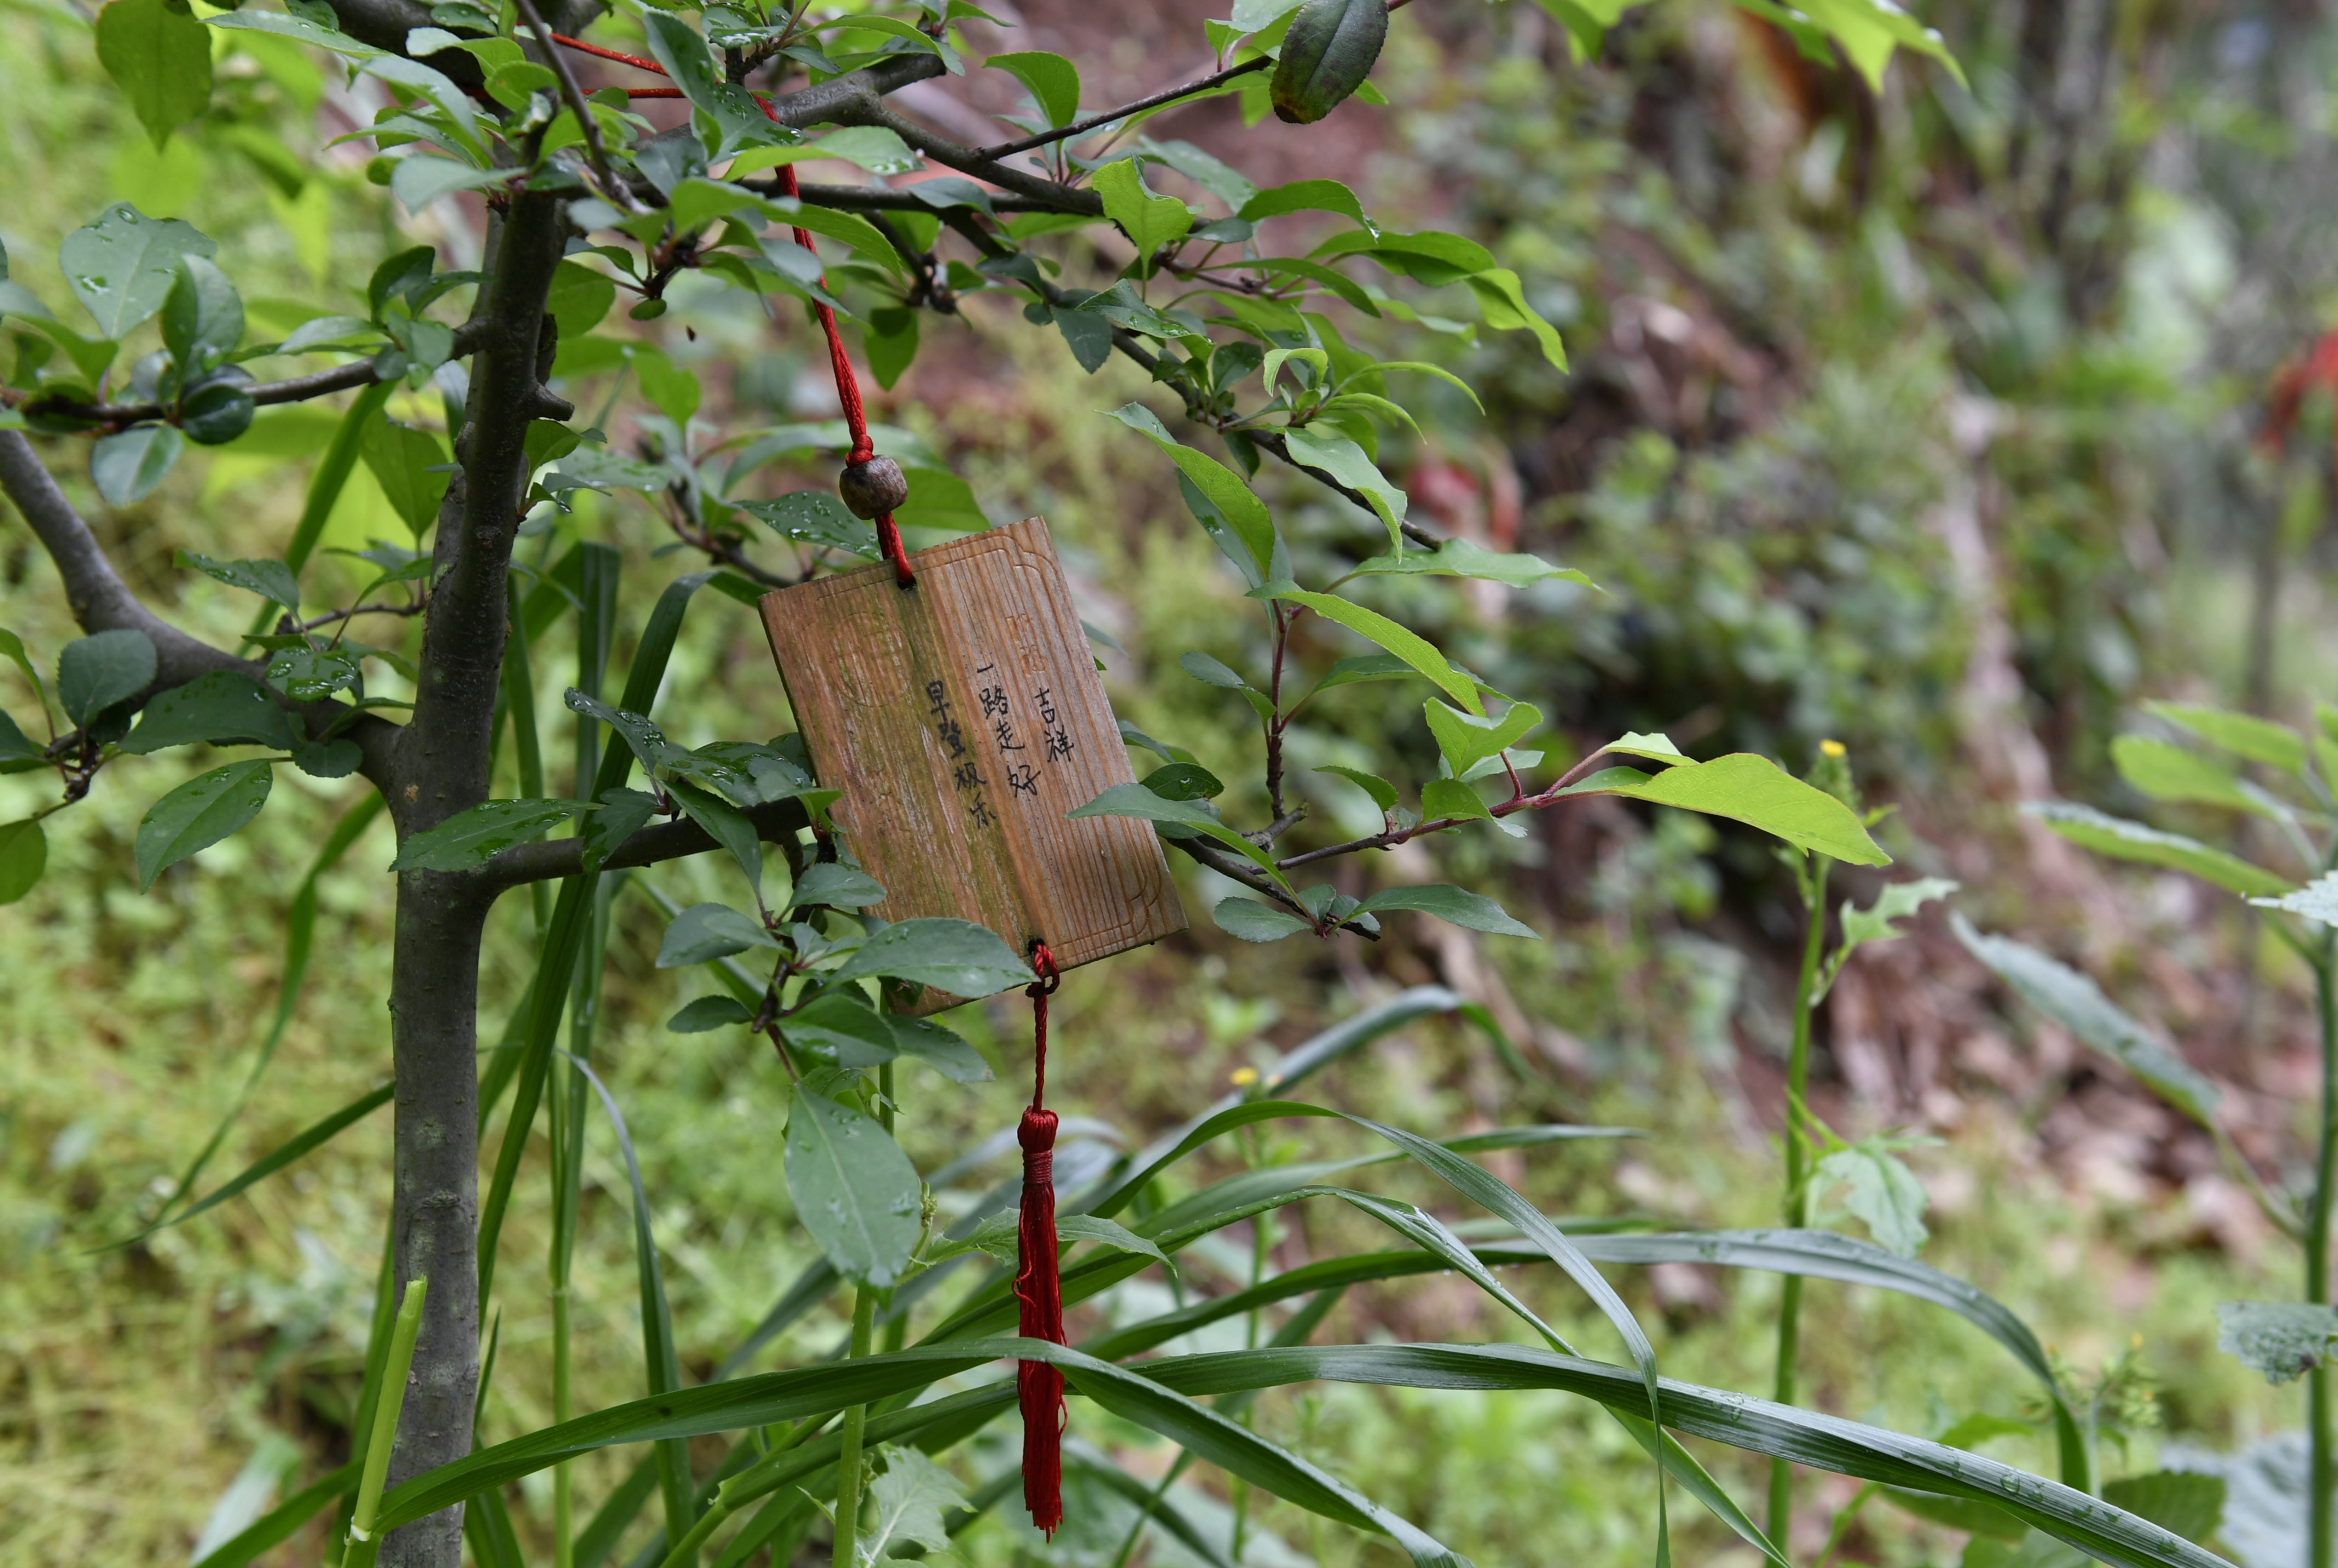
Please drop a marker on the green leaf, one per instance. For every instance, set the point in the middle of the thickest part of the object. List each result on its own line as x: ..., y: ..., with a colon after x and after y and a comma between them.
x: 709, y: 1013
x: 215, y: 412
x: 1183, y: 781
x: 1243, y: 512
x: 401, y: 458
x: 1868, y: 31
x: 1502, y: 305
x: 1382, y: 792
x: 704, y: 932
x: 1253, y: 921
x: 840, y: 1028
x: 891, y: 343
x: 311, y: 674
x: 1757, y: 792
x: 956, y: 956
x: 876, y: 148
x: 2167, y: 773
x: 909, y: 1497
x: 19, y: 752
x: 1150, y: 221
x: 839, y: 885
x: 2124, y: 840
x: 202, y: 315
x: 1406, y: 645
x: 726, y: 823
x: 122, y: 267
x: 817, y: 518
x: 1468, y: 739
x: 580, y: 297
x: 198, y: 813
x: 1895, y: 901
x: 1054, y: 82
x: 1457, y: 905
x: 1330, y: 48
x: 2075, y: 1002
x: 623, y: 814
x: 98, y: 672
x: 2317, y: 900
x: 853, y: 1189
x: 1654, y: 747
x: 1211, y: 672
x: 271, y: 579
x: 2282, y: 1340
x: 2184, y: 1501
x: 1305, y: 196
x: 127, y: 465
x: 1342, y: 461
x: 644, y: 740
x: 1458, y: 557
x: 1453, y: 798
x: 470, y: 838
x: 160, y: 58
x: 24, y: 855
x: 939, y: 1048
x: 433, y: 86
x: 221, y: 708
x: 1136, y: 800
x: 1884, y: 1193
x: 2242, y: 734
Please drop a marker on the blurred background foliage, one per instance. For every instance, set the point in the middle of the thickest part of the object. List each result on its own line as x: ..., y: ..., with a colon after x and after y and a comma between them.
x: 1931, y: 421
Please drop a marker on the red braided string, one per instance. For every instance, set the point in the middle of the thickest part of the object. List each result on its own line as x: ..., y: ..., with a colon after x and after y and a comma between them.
x: 848, y: 385
x: 1038, y: 1291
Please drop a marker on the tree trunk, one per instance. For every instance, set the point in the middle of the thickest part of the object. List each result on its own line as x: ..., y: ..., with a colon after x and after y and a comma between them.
x: 434, y: 1040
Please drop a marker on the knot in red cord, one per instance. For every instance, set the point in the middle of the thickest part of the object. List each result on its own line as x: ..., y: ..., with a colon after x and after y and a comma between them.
x: 1037, y: 1134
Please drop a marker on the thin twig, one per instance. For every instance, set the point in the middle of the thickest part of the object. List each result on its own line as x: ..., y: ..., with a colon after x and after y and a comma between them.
x: 576, y: 105
x: 1093, y: 121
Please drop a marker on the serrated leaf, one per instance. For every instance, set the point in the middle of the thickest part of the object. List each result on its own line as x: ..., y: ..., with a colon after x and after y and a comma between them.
x: 704, y: 932
x: 1210, y: 671
x: 122, y: 267
x: 1254, y: 921
x: 956, y: 956
x: 909, y: 1495
x: 198, y: 813
x: 98, y: 672
x: 1243, y: 512
x: 2126, y: 840
x: 2075, y: 1002
x: 128, y: 465
x: 221, y: 708
x: 471, y: 838
x: 2317, y: 900
x: 1896, y: 901
x: 1884, y: 1193
x: 1150, y: 221
x: 271, y: 579
x: 2282, y: 1340
x: 854, y: 1190
x: 24, y: 855
x: 1456, y: 904
x: 1468, y: 739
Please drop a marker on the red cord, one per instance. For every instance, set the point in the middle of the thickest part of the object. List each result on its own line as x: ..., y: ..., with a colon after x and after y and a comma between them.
x: 848, y: 385
x: 1038, y: 1288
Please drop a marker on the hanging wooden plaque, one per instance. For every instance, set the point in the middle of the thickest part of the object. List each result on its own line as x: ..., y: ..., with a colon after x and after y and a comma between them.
x: 963, y: 718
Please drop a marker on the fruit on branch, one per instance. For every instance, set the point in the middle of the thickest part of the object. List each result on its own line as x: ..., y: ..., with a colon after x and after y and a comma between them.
x: 873, y: 486
x: 1330, y: 48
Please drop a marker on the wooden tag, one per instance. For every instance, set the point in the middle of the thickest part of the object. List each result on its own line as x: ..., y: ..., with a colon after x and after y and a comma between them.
x: 963, y: 718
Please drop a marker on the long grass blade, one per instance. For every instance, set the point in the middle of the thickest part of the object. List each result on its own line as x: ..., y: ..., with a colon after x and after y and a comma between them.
x: 301, y: 1143
x: 300, y: 935
x: 280, y: 1522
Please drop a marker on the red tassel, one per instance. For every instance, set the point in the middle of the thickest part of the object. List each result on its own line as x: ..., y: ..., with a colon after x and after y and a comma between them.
x: 1038, y: 1291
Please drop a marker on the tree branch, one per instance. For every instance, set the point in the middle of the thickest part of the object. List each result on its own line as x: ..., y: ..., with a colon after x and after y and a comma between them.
x: 102, y: 601
x: 297, y: 389
x: 869, y: 109
x: 860, y: 197
x: 1250, y: 877
x: 777, y: 822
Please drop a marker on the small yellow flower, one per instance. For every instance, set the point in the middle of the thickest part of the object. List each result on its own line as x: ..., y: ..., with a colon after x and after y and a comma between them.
x: 1831, y: 748
x: 1244, y: 1077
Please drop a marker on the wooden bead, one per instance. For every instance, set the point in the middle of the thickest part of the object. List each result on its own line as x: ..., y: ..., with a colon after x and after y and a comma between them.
x: 874, y: 487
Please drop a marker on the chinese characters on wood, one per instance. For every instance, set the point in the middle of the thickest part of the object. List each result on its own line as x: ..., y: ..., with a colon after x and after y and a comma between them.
x: 963, y: 718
